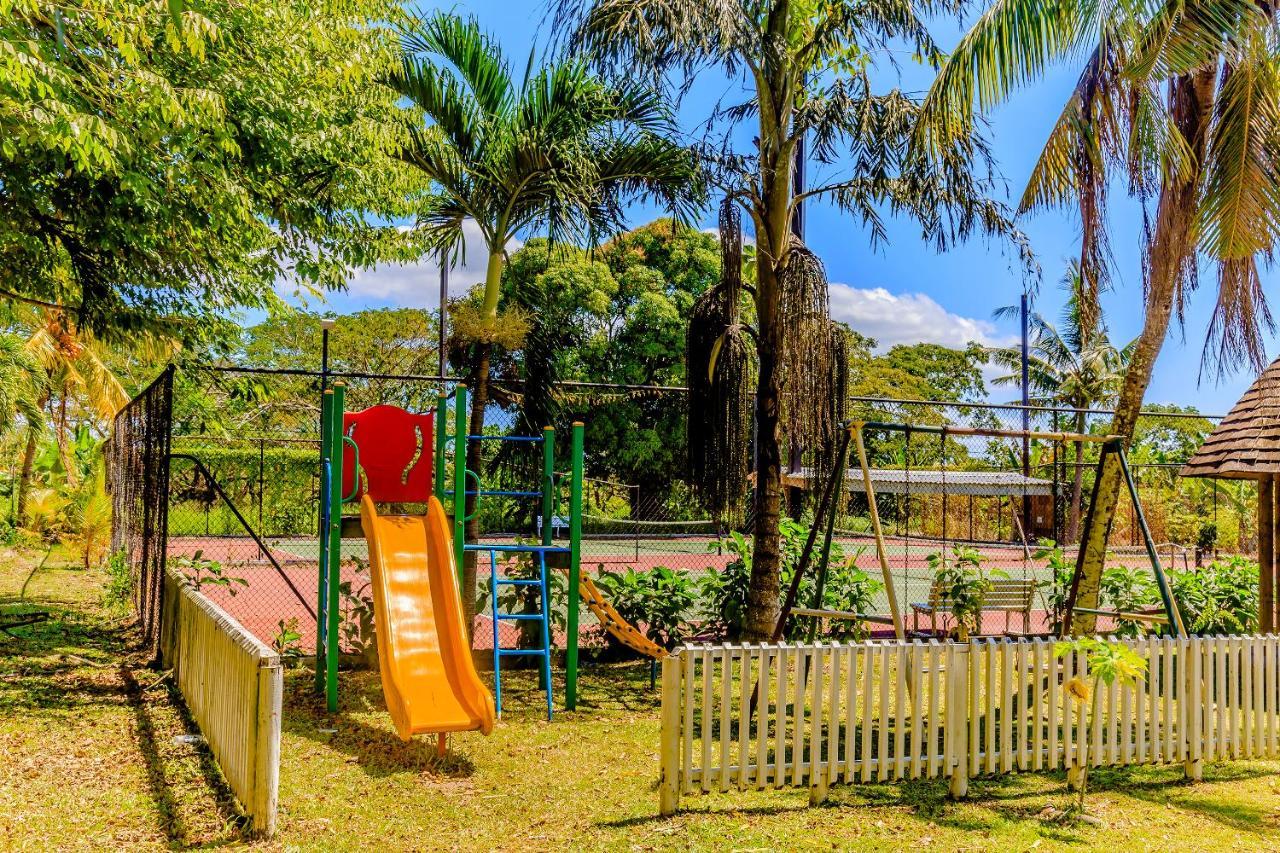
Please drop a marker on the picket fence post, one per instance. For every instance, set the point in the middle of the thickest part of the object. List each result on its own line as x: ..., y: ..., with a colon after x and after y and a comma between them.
x: 669, y: 781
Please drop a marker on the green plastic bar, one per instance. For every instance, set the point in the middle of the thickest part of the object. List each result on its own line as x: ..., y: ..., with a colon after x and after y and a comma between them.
x: 575, y: 568
x: 460, y: 481
x: 1166, y: 593
x: 548, y: 481
x: 442, y: 415
x: 322, y: 537
x: 335, y: 544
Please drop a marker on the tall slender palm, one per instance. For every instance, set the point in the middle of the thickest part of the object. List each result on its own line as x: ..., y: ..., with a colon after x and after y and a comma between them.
x: 1182, y: 98
x: 805, y: 68
x: 560, y: 151
x: 1071, y: 364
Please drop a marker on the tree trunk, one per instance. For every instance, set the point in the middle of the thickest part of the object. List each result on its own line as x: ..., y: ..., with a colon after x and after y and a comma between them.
x: 28, y: 465
x: 1170, y: 250
x: 766, y: 552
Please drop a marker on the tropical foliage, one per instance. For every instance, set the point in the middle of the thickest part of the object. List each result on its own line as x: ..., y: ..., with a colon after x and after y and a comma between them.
x: 559, y: 150
x: 162, y: 163
x: 1180, y: 102
x: 806, y: 69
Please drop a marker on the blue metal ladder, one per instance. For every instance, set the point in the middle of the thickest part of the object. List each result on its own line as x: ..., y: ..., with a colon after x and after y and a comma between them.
x: 541, y: 616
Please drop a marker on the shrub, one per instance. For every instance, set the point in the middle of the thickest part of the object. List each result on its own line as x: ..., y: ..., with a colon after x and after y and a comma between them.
x: 1128, y: 590
x: 119, y: 582
x: 200, y: 573
x: 1221, y: 598
x: 964, y: 584
x: 660, y: 600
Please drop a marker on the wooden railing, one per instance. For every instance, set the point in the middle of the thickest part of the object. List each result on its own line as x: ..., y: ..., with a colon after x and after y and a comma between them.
x: 233, y: 686
x: 777, y: 716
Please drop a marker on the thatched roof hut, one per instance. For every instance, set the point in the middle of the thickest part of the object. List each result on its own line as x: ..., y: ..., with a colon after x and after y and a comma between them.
x: 1246, y: 445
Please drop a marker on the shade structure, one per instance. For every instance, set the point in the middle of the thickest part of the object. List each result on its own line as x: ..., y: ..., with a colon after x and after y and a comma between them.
x: 1246, y: 445
x: 932, y: 481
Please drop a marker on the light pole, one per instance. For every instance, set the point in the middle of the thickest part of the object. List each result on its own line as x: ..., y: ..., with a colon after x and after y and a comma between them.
x: 326, y: 325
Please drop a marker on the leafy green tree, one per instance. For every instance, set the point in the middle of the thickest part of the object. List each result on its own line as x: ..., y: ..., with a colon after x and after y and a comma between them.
x: 1180, y: 100
x: 1071, y: 365
x: 560, y: 150
x: 163, y: 162
x: 617, y: 315
x: 806, y: 68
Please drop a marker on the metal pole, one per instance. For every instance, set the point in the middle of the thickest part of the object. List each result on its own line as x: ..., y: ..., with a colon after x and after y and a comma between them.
x: 1166, y: 593
x: 326, y: 493
x: 335, y: 543
x: 460, y: 483
x: 325, y: 326
x: 444, y: 308
x: 899, y: 629
x: 548, y: 482
x: 1026, y: 406
x: 575, y: 567
x: 441, y: 425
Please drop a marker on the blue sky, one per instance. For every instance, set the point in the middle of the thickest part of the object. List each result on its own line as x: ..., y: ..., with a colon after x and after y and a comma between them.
x: 903, y: 291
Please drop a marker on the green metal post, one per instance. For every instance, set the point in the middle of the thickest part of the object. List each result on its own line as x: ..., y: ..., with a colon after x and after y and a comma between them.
x: 322, y: 541
x: 575, y: 568
x: 442, y: 438
x: 1162, y: 581
x: 460, y: 477
x: 335, y: 543
x: 548, y: 482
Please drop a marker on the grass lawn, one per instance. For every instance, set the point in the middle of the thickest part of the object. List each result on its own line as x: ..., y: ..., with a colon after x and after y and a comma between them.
x: 87, y: 734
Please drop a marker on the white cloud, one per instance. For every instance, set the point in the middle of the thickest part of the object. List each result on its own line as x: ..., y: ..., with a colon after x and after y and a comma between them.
x: 417, y: 284
x: 908, y: 318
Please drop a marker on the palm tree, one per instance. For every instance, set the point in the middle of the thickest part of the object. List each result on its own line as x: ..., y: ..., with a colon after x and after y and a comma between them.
x: 560, y: 151
x: 1070, y: 364
x: 1181, y: 98
x: 805, y: 68
x: 72, y: 373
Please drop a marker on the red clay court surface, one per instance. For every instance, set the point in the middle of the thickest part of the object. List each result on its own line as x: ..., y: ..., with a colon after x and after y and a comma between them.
x: 268, y: 600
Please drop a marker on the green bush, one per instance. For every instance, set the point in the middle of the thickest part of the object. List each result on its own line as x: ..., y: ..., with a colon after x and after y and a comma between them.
x: 1128, y: 590
x: 660, y: 600
x: 119, y: 587
x: 964, y: 583
x: 1220, y: 598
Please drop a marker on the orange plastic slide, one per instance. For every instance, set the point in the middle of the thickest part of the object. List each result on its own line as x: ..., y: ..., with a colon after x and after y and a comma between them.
x: 428, y: 677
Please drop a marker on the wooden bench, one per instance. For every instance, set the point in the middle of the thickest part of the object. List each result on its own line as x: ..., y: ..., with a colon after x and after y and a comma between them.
x: 1006, y: 595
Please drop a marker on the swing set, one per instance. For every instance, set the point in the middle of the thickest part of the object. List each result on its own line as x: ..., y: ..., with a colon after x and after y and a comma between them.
x: 936, y: 482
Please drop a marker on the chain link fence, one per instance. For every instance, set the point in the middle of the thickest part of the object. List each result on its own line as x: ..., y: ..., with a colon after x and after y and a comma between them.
x: 243, y: 507
x: 137, y: 478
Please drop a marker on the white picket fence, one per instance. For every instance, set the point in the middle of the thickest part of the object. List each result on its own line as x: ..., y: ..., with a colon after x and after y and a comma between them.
x: 786, y: 716
x: 233, y: 685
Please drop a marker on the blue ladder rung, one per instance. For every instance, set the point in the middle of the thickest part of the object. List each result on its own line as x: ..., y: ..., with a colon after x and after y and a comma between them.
x: 519, y: 616
x: 517, y: 549
x: 497, y: 493
x: 505, y: 437
x: 542, y: 653
x: 518, y: 583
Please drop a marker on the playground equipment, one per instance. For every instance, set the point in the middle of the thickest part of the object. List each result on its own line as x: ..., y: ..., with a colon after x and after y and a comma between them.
x: 386, y: 455
x: 428, y: 677
x: 937, y: 481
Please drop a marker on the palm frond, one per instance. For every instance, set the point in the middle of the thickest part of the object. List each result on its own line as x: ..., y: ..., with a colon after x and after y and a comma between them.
x: 474, y: 54
x: 1012, y: 44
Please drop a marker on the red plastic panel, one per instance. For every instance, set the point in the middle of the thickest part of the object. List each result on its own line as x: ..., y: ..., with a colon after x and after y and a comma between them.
x: 396, y: 449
